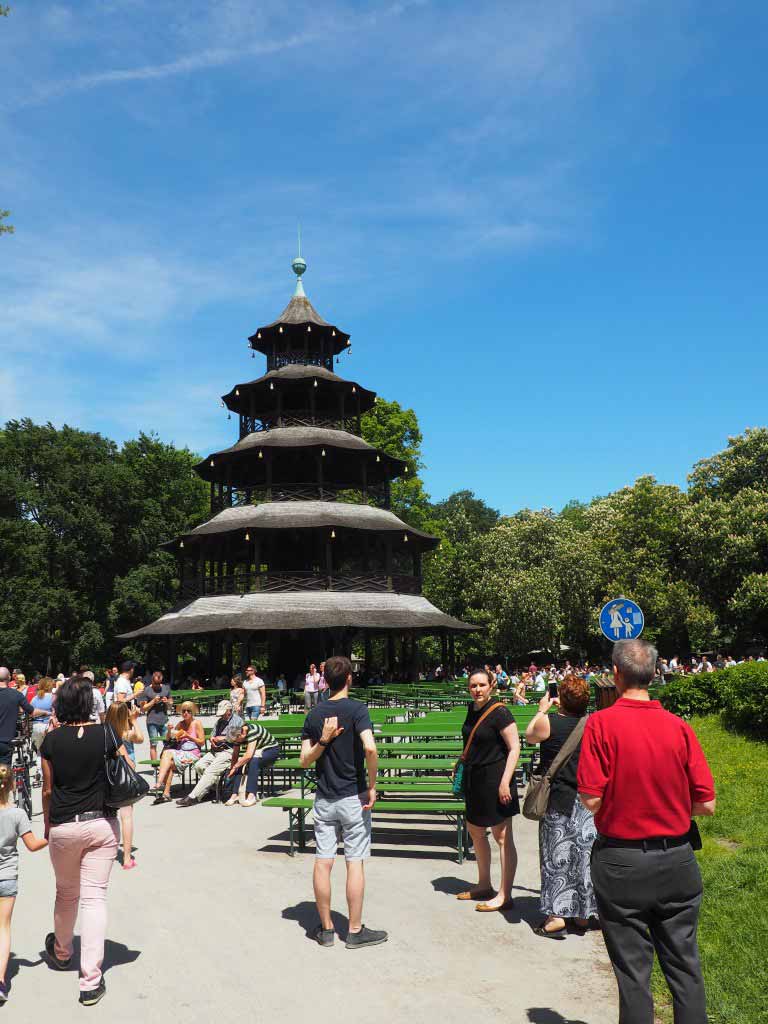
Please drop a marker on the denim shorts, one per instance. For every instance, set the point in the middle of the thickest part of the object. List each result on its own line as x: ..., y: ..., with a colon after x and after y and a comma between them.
x: 342, y: 821
x: 155, y: 732
x: 9, y: 887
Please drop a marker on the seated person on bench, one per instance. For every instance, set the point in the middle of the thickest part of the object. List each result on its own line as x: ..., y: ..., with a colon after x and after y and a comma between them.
x: 261, y: 750
x: 218, y: 760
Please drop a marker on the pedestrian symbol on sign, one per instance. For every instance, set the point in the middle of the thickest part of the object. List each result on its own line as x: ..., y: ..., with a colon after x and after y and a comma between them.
x: 621, y: 619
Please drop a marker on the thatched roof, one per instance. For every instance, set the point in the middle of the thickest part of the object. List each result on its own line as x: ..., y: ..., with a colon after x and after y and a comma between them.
x: 264, y: 613
x: 344, y: 451
x: 301, y: 515
x: 293, y: 377
x: 298, y: 317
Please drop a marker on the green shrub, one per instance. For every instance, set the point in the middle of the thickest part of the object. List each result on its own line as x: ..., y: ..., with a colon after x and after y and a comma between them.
x: 695, y: 695
x: 745, y: 704
x: 740, y: 693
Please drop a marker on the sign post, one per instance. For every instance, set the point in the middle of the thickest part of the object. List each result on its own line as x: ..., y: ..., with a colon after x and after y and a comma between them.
x: 621, y: 619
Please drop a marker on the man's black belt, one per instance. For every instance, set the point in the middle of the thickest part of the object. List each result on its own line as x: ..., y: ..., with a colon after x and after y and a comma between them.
x: 656, y: 843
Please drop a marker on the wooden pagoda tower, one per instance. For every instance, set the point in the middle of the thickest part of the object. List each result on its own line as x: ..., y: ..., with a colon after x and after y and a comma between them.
x: 301, y: 549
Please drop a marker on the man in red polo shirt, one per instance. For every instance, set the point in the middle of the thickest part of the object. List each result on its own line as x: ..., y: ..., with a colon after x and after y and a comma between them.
x: 643, y: 775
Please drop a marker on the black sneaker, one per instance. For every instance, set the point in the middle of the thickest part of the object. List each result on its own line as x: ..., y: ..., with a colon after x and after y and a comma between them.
x: 365, y: 937
x: 186, y: 801
x: 50, y: 949
x: 93, y: 995
x: 3, y: 993
x: 323, y: 936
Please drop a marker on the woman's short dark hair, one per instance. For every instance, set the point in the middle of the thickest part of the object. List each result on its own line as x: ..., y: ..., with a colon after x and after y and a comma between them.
x: 74, y: 700
x: 573, y: 692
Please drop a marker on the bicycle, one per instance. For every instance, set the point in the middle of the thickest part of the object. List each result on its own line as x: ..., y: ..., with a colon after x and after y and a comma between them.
x: 23, y: 757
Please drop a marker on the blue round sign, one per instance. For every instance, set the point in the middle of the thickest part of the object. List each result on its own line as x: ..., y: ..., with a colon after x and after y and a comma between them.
x: 621, y: 619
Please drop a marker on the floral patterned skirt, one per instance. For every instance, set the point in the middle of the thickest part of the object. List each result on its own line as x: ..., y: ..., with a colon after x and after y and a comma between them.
x: 565, y: 845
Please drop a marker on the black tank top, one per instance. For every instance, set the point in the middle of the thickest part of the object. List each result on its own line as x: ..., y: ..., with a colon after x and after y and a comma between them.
x: 563, y: 792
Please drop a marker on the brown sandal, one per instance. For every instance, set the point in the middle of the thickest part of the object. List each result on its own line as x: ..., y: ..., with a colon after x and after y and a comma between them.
x: 480, y: 894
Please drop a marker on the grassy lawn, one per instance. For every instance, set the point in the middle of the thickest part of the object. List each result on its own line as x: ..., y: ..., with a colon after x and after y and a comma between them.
x: 733, y: 934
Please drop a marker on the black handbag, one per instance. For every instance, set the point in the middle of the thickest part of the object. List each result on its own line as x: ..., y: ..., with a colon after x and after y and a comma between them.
x: 124, y: 786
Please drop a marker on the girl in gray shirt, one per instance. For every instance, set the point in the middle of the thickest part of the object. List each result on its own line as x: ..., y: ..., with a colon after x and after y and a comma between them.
x: 14, y: 825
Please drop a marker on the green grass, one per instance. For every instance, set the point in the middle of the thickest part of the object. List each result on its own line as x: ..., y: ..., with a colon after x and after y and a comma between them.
x: 733, y: 932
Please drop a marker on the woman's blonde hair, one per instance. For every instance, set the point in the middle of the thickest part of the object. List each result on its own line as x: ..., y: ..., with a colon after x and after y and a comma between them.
x: 45, y: 685
x: 188, y: 705
x: 6, y: 783
x: 119, y: 717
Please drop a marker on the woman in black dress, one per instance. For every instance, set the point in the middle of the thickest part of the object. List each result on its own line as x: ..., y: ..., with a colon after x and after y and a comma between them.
x: 491, y: 795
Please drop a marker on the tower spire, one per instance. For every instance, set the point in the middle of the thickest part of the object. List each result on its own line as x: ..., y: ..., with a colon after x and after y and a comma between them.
x: 299, y: 265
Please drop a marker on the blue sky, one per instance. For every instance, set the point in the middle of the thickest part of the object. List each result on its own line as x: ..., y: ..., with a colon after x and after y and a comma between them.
x: 543, y: 223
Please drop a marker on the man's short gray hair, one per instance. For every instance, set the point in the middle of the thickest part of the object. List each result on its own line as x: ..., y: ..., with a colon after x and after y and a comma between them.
x: 635, y: 661
x: 5, y: 675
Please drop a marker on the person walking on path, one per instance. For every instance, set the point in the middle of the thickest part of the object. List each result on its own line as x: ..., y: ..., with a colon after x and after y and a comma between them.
x: 643, y: 774
x: 338, y: 739
x: 567, y: 830
x: 82, y: 832
x: 14, y: 825
x: 11, y: 702
x: 491, y: 797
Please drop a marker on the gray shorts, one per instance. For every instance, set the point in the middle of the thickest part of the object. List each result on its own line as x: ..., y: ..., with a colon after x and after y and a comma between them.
x: 9, y: 887
x: 342, y: 821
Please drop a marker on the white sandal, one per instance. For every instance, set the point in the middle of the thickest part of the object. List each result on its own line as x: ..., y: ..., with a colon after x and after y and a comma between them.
x: 232, y: 801
x: 248, y: 801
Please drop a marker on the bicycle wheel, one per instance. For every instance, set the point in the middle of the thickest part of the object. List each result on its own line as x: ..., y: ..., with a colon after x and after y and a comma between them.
x: 24, y: 792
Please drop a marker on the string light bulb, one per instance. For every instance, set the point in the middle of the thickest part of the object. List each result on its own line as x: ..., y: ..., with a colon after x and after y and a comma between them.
x: 333, y: 535
x: 181, y: 543
x: 309, y: 327
x: 323, y: 452
x: 333, y: 334
x: 315, y: 383
x: 271, y: 385
x: 405, y: 538
x: 237, y: 392
x: 247, y: 535
x: 378, y: 458
x: 261, y: 454
x: 281, y: 330
x: 259, y: 335
x: 354, y: 390
x: 211, y: 463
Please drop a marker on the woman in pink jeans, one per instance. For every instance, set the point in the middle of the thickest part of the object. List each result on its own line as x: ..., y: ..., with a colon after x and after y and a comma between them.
x: 82, y: 833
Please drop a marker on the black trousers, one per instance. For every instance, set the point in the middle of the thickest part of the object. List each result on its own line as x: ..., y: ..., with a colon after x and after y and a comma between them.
x: 649, y: 900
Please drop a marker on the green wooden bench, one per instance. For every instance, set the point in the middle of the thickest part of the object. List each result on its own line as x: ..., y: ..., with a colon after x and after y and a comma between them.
x: 297, y: 808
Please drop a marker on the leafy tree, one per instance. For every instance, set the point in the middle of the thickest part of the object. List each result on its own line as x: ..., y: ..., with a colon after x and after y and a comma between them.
x: 743, y: 464
x: 396, y: 431
x: 480, y: 516
x: 76, y: 515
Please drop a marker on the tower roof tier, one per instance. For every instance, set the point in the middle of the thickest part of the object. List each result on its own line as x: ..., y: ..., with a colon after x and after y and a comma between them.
x: 295, y: 386
x: 299, y: 327
x: 293, y: 454
x: 244, y: 521
x: 263, y: 613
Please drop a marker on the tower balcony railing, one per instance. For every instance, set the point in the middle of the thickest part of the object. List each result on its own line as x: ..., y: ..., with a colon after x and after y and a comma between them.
x: 374, y: 494
x: 299, y: 418
x: 299, y: 355
x: 243, y: 582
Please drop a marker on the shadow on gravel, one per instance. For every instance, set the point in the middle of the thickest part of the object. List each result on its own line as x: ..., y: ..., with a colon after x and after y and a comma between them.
x: 452, y: 886
x: 542, y: 1015
x: 305, y: 915
x: 15, y: 963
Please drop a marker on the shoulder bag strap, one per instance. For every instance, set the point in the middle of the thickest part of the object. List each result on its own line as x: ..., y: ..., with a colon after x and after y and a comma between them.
x: 478, y: 723
x: 567, y: 749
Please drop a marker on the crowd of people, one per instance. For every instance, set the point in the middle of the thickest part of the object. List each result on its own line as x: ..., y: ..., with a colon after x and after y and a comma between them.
x: 615, y: 838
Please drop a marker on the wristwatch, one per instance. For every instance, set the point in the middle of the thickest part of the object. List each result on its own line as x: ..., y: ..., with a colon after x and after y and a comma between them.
x: 322, y: 743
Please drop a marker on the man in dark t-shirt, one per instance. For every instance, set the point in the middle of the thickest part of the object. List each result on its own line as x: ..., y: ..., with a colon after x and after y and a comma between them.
x: 338, y: 739
x: 11, y: 702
